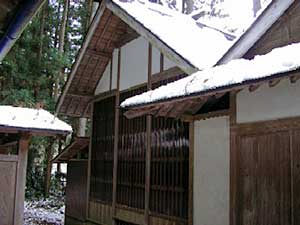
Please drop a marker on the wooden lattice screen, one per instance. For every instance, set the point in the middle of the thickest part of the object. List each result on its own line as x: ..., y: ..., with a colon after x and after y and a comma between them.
x: 102, y: 151
x: 169, y: 165
x: 131, y: 158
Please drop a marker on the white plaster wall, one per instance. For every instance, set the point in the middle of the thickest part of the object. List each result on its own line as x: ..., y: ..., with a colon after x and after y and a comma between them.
x: 134, y: 66
x: 168, y: 63
x: 103, y: 84
x: 211, y: 172
x: 134, y: 63
x: 267, y: 103
x: 155, y: 60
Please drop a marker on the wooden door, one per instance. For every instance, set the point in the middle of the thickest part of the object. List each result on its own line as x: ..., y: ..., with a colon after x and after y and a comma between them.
x: 8, y: 168
x: 76, y: 191
x: 267, y: 174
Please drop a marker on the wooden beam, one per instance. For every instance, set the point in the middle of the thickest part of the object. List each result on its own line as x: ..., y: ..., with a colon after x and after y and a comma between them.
x: 9, y: 144
x: 106, y: 25
x: 191, y: 174
x: 116, y: 137
x: 97, y: 53
x: 166, y: 74
x: 148, y: 146
x: 21, y: 179
x: 127, y: 38
x: 294, y: 78
x: 89, y: 166
x: 273, y: 83
x: 232, y: 108
x: 162, y: 62
x: 111, y: 72
x: 104, y: 95
x: 212, y: 114
x: 254, y: 87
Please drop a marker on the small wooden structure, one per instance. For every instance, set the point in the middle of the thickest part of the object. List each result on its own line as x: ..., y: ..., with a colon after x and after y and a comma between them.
x: 17, y: 125
x: 76, y: 156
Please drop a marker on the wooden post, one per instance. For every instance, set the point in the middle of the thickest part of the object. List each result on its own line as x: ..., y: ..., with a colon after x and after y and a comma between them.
x: 191, y: 174
x: 116, y: 137
x: 21, y: 179
x: 148, y: 147
x: 89, y: 164
x: 232, y: 163
x: 111, y: 71
x: 162, y: 60
x: 59, y: 151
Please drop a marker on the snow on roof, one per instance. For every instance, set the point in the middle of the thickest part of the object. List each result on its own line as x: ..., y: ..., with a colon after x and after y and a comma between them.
x: 31, y: 119
x: 200, y: 46
x: 279, y: 60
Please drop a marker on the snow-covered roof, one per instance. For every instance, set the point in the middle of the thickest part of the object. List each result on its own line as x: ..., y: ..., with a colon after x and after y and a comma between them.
x: 279, y: 60
x: 201, y: 46
x: 31, y: 120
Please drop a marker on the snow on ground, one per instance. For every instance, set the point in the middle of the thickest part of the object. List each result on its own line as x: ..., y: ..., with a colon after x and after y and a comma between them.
x: 46, y: 212
x: 27, y: 118
x: 189, y: 42
x: 279, y: 60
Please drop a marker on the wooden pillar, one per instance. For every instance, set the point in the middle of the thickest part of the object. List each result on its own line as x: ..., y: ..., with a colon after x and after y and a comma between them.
x: 21, y: 179
x: 162, y: 62
x: 116, y: 137
x: 191, y: 174
x: 89, y: 164
x: 59, y: 151
x: 148, y: 146
x: 232, y: 163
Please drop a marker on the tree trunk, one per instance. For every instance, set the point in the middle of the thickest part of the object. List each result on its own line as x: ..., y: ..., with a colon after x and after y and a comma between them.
x: 61, y: 45
x: 49, y: 155
x: 256, y: 7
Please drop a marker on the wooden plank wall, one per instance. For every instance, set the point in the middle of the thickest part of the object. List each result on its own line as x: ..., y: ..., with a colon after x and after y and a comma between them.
x: 76, y: 190
x: 267, y: 167
x: 8, y: 170
x: 285, y: 31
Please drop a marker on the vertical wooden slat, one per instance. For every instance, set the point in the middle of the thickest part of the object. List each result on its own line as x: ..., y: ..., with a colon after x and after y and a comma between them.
x: 115, y: 160
x: 89, y: 164
x: 161, y: 62
x: 233, y: 160
x: 111, y: 72
x: 296, y: 177
x: 191, y: 174
x: 148, y: 147
x: 21, y: 179
x: 291, y: 134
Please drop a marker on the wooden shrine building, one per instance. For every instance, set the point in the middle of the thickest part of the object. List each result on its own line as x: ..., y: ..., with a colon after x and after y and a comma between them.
x: 17, y: 125
x: 180, y: 154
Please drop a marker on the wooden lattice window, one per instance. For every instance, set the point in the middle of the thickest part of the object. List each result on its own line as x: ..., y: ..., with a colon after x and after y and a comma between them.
x: 131, y: 158
x: 102, y: 150
x: 169, y: 167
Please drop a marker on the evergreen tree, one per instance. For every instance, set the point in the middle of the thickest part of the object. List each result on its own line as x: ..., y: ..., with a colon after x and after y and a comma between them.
x: 29, y: 72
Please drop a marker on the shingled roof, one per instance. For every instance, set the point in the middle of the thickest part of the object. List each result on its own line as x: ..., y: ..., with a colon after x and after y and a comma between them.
x: 178, y: 37
x: 191, y: 47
